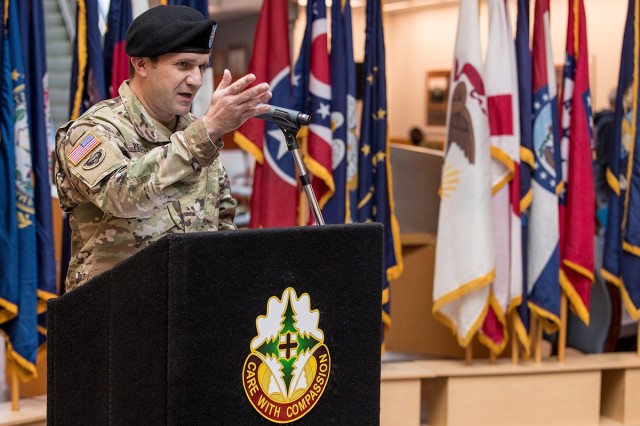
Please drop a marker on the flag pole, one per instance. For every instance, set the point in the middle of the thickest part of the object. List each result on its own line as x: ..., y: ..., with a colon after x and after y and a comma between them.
x: 15, y: 389
x: 536, y: 336
x: 562, y: 333
x: 539, y: 342
x: 638, y: 340
x: 468, y: 354
x: 514, y: 342
x: 532, y: 336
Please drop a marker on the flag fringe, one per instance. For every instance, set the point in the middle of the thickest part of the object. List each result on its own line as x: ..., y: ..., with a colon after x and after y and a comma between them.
x: 8, y: 310
x: 319, y: 171
x: 634, y: 311
x: 473, y: 285
x: 526, y: 200
x: 25, y: 370
x: 576, y: 301
x: 495, y: 347
x: 395, y: 271
x: 613, y: 182
x: 631, y: 248
x: 549, y: 321
x: 504, y: 158
x: 464, y: 341
x: 526, y: 156
x: 43, y: 298
x: 246, y: 144
x: 523, y: 336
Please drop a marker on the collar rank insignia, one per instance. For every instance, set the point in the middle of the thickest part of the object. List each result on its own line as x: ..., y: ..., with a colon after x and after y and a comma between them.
x: 288, y: 368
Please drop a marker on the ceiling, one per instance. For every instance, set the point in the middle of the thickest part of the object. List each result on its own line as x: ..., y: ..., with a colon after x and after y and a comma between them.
x: 229, y: 9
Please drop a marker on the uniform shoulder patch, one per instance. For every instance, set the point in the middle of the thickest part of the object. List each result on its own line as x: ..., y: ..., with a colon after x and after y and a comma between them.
x: 88, y: 143
x: 94, y: 159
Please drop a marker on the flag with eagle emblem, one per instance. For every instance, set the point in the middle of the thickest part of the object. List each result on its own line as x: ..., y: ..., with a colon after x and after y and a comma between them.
x: 465, y: 251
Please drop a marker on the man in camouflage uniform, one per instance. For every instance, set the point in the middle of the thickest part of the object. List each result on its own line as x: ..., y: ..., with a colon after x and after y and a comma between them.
x: 140, y: 166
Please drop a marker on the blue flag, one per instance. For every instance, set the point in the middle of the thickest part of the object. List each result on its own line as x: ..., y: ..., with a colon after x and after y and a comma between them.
x: 8, y: 215
x: 523, y: 57
x: 201, y: 5
x: 41, y: 131
x: 21, y: 330
x: 88, y: 87
x: 622, y: 240
x: 343, y: 115
x: 375, y: 196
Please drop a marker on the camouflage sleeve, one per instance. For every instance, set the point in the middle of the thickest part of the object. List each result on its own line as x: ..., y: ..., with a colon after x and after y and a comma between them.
x: 227, y: 202
x: 95, y: 166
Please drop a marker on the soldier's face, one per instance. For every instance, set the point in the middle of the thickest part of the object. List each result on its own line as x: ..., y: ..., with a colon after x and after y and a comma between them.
x: 172, y: 83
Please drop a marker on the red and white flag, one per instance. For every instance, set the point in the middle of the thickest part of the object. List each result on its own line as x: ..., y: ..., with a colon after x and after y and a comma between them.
x: 501, y: 79
x: 313, y: 95
x: 274, y: 199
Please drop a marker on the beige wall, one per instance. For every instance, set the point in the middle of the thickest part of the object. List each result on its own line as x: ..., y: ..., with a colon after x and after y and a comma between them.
x: 420, y: 39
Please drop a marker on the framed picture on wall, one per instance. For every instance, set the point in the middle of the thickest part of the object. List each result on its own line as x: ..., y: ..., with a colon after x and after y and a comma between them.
x: 218, y: 61
x: 237, y: 60
x: 437, y: 97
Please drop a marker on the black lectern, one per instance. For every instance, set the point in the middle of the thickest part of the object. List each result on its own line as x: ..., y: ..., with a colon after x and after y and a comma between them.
x: 228, y: 328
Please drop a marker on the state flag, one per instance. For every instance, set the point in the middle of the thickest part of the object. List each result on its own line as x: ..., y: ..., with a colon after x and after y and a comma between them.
x: 465, y: 261
x: 543, y: 253
x: 501, y: 80
x: 577, y: 201
x: 274, y: 199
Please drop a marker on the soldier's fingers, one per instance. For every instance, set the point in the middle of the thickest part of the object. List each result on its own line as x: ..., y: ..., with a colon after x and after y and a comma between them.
x: 253, y: 93
x: 226, y: 80
x: 239, y: 85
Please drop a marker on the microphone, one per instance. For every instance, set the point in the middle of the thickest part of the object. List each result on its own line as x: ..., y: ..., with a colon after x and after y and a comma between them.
x: 285, y: 117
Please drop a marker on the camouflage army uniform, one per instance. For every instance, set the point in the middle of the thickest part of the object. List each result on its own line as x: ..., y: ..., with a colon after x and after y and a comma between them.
x: 127, y: 181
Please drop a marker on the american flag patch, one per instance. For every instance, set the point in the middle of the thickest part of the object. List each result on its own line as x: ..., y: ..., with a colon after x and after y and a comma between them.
x: 83, y: 148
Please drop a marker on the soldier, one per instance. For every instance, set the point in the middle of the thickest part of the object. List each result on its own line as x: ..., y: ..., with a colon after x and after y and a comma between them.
x: 140, y: 166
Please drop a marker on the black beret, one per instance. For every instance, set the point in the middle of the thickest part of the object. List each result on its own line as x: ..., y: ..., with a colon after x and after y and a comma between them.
x: 166, y: 29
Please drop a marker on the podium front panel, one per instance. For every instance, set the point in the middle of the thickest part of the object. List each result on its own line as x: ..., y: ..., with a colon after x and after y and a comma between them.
x: 183, y: 315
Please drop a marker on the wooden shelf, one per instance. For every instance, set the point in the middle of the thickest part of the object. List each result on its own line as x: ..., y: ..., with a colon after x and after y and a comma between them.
x: 595, y: 389
x: 32, y: 412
